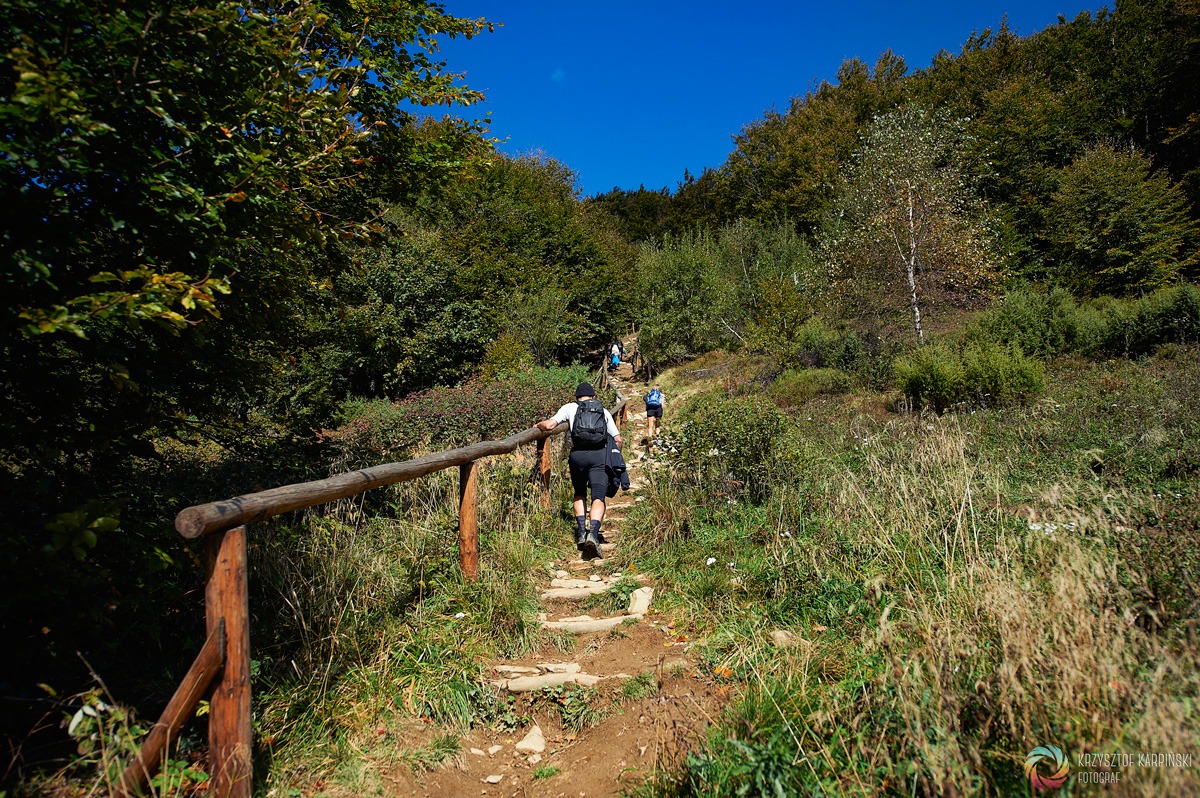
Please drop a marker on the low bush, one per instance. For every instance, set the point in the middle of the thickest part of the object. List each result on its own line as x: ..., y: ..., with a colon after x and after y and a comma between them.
x: 379, y: 430
x: 1137, y: 327
x: 985, y: 375
x: 1041, y: 323
x: 728, y: 445
x: 1047, y: 323
x: 795, y: 386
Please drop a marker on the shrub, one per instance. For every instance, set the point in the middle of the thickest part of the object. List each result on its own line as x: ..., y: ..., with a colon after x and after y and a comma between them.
x: 728, y: 445
x: 795, y: 386
x: 932, y: 376
x: 1041, y: 323
x: 1138, y: 327
x: 445, y: 417
x: 1051, y: 323
x: 998, y: 375
x: 984, y: 375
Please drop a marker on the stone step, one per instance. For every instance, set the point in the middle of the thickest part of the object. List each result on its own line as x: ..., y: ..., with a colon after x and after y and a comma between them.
x: 639, y: 604
x: 526, y: 684
x: 585, y: 624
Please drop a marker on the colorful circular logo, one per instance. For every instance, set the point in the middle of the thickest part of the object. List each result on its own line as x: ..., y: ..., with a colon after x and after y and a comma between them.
x: 1054, y: 761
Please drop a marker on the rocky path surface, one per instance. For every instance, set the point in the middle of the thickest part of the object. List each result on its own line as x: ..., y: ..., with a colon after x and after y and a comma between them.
x: 624, y: 700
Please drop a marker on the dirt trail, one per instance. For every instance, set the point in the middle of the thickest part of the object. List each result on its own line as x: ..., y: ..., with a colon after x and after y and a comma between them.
x: 653, y: 701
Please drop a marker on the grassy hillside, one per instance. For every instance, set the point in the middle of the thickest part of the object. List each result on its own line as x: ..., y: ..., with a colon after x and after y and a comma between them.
x: 908, y: 603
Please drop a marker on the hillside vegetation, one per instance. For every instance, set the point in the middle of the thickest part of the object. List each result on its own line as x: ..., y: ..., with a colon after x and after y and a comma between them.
x: 929, y: 340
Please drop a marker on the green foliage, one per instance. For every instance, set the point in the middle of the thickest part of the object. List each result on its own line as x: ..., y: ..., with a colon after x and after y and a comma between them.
x: 1041, y: 323
x: 555, y: 275
x: 639, y: 687
x: 1117, y: 227
x: 728, y: 446
x: 785, y: 166
x: 576, y: 705
x: 1138, y: 327
x: 983, y: 375
x: 1052, y: 323
x: 448, y: 417
x: 542, y: 772
x: 909, y: 228
x: 796, y: 386
x: 752, y: 285
x: 154, y: 152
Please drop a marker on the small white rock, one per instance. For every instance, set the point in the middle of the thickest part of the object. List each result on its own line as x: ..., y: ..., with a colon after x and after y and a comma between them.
x: 595, y: 578
x: 639, y: 600
x: 558, y: 667
x: 495, y: 778
x: 534, y: 759
x: 478, y: 752
x: 562, y: 574
x: 495, y: 749
x: 534, y: 742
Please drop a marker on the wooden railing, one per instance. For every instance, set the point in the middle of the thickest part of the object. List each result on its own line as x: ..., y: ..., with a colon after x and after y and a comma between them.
x: 224, y: 661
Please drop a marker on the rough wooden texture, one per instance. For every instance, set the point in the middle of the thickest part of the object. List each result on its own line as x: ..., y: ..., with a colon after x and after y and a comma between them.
x: 468, y: 520
x: 227, y: 602
x: 203, y: 519
x: 543, y: 450
x: 204, y: 669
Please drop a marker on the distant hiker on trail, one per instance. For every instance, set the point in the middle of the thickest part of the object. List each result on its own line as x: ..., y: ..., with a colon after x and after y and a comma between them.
x: 654, y: 410
x: 614, y: 353
x: 591, y: 425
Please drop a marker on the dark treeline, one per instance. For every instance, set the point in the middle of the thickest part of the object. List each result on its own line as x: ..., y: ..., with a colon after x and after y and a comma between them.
x: 226, y: 231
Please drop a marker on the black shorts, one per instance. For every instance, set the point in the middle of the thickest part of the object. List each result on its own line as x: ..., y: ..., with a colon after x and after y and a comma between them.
x: 589, y: 470
x: 653, y: 411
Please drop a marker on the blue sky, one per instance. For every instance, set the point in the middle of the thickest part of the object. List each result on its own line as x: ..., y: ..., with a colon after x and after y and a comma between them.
x: 632, y: 93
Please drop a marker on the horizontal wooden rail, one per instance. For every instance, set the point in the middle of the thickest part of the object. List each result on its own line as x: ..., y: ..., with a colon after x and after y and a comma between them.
x: 227, y: 652
x: 203, y: 519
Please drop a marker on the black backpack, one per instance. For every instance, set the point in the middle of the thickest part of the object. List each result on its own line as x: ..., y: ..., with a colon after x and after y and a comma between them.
x: 589, y: 429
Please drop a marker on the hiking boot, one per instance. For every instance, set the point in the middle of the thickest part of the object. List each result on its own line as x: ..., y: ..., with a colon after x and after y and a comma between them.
x: 589, y: 549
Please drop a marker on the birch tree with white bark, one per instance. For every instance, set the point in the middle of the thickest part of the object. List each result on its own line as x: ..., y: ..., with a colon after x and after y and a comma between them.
x: 908, y: 226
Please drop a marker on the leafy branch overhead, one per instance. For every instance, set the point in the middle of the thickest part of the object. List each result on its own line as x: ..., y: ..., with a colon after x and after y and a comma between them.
x: 163, y: 150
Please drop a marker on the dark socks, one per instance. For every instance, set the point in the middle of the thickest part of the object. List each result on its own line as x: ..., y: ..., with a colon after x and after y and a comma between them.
x: 595, y: 528
x: 580, y: 528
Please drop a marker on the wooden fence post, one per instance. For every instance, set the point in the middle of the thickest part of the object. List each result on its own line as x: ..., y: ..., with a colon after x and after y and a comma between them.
x: 543, y: 451
x: 149, y: 758
x: 468, y: 520
x: 227, y: 600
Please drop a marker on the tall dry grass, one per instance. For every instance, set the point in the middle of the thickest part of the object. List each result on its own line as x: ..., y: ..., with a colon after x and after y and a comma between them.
x: 991, y: 627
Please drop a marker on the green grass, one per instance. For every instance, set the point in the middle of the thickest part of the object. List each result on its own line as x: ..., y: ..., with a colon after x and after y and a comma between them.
x: 543, y: 772
x: 962, y: 588
x: 434, y: 754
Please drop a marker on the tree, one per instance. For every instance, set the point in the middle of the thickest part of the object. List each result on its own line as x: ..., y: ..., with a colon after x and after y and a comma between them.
x: 908, y: 223
x: 1118, y: 227
x: 153, y: 149
x: 786, y: 164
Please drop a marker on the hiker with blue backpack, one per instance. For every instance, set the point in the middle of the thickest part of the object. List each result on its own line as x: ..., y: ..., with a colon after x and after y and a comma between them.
x: 592, y: 427
x: 654, y: 411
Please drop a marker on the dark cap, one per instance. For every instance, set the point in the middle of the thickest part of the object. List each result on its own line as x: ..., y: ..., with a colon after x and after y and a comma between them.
x: 585, y: 389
